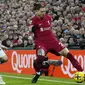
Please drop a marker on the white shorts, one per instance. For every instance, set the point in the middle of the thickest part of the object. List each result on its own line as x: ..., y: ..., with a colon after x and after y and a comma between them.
x: 2, y: 53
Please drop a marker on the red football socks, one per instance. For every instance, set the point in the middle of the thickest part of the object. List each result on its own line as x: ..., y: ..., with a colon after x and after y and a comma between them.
x: 74, y: 62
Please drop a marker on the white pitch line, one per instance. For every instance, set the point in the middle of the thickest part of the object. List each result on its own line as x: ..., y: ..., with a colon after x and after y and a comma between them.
x: 42, y: 79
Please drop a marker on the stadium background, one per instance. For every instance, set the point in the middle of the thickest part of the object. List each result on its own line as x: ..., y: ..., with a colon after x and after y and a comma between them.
x: 68, y: 27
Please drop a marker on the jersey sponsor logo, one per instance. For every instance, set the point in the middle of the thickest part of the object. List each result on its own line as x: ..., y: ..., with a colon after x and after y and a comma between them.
x: 44, y: 29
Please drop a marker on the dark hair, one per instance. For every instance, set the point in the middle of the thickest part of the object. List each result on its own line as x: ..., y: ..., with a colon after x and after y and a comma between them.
x: 37, y: 6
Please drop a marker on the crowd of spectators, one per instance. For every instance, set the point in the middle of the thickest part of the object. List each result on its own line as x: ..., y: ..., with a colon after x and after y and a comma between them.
x: 68, y: 22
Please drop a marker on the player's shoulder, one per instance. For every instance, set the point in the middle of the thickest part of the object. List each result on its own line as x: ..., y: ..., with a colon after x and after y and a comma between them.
x: 49, y: 16
x: 34, y: 17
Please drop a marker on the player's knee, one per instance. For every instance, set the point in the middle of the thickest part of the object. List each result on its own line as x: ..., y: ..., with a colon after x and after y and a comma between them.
x: 64, y: 52
x: 4, y: 59
x: 41, y: 52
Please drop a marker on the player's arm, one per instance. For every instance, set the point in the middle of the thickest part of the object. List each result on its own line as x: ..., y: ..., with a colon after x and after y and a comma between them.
x: 33, y: 26
x: 3, y: 47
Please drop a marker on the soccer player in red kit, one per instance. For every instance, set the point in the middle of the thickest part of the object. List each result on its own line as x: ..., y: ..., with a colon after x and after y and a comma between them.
x: 45, y: 41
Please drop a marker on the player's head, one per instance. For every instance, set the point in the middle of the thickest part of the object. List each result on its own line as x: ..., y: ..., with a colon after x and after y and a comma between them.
x: 39, y: 10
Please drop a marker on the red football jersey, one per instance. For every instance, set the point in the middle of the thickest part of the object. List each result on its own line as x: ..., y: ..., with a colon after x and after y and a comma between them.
x: 44, y: 37
x: 44, y: 30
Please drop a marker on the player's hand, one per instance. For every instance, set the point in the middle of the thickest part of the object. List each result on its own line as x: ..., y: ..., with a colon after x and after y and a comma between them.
x: 34, y: 28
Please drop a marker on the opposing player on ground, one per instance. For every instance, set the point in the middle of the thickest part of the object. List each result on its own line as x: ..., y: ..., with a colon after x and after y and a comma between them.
x: 45, y: 41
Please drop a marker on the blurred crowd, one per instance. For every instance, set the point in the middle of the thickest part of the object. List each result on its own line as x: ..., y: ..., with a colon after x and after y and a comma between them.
x: 68, y: 22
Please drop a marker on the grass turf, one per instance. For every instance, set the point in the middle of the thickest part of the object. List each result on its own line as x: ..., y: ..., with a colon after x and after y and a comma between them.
x: 21, y: 79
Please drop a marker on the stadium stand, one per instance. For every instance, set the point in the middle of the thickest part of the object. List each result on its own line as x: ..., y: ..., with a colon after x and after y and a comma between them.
x: 68, y: 22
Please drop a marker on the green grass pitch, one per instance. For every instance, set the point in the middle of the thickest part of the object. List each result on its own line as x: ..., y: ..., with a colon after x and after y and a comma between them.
x: 21, y: 79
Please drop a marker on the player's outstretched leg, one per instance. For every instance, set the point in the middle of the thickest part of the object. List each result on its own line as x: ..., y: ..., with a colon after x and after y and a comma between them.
x: 74, y: 62
x: 65, y: 52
